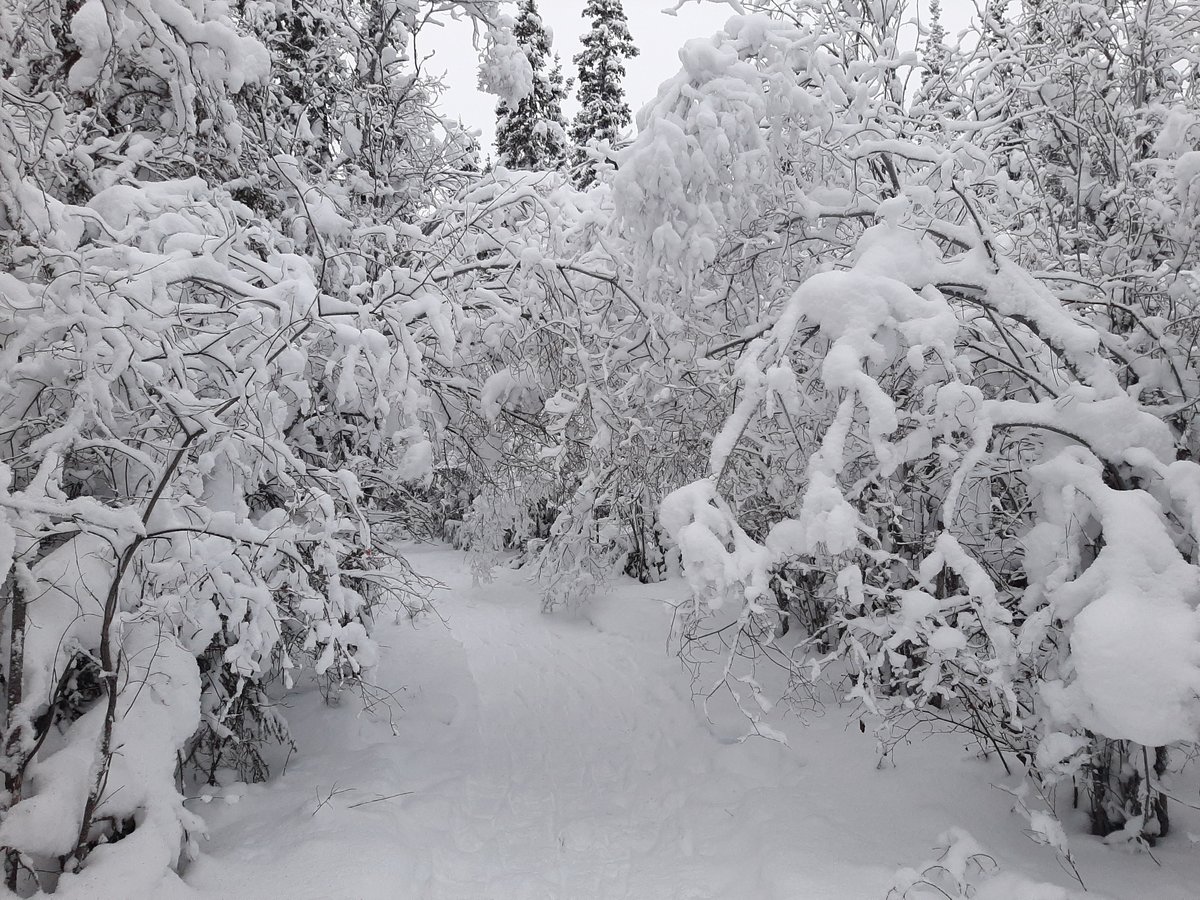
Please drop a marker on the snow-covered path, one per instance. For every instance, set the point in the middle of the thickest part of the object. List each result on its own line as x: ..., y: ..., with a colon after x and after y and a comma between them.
x: 550, y: 757
x: 552, y: 800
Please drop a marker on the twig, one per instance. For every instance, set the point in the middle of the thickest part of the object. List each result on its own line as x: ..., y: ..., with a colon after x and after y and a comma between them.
x: 379, y: 799
x: 333, y: 792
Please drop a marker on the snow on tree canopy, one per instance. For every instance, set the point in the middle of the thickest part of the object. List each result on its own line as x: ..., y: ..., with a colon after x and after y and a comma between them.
x: 506, y: 70
x: 947, y: 406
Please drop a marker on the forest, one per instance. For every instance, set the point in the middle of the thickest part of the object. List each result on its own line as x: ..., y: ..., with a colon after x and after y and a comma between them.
x: 877, y: 348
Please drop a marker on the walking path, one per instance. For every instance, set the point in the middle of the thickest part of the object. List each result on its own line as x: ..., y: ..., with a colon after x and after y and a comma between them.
x: 555, y: 756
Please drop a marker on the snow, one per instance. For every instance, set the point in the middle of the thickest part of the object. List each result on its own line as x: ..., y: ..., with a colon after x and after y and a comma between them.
x: 717, y: 555
x: 830, y: 522
x: 1057, y: 748
x: 1135, y: 642
x: 89, y: 30
x: 1187, y: 170
x: 1137, y: 666
x: 538, y: 756
x: 495, y: 390
x: 945, y: 639
x: 941, y: 390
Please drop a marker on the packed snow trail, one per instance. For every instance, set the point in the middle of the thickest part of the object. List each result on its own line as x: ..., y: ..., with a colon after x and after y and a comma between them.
x: 540, y: 756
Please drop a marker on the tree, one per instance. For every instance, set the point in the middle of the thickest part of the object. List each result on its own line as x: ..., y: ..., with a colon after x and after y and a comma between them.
x: 221, y: 302
x: 953, y: 436
x: 935, y: 55
x: 532, y: 135
x: 603, y: 111
x: 560, y: 86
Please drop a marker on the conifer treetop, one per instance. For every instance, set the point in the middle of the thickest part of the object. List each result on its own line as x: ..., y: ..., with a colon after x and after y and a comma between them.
x: 603, y: 111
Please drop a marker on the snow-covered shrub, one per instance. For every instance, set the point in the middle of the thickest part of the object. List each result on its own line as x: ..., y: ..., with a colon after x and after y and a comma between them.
x: 214, y: 377
x: 560, y: 413
x: 982, y: 470
x: 163, y: 495
x: 965, y: 870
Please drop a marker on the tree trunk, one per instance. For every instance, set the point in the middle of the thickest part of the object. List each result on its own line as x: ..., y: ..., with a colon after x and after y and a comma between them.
x: 16, y: 727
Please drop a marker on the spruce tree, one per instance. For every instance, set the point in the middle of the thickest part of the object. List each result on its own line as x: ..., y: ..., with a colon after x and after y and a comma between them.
x: 935, y: 43
x: 934, y: 96
x: 534, y: 134
x: 603, y: 111
x: 560, y: 86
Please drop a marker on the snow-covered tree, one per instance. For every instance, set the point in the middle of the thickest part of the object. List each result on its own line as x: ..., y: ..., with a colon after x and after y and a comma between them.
x: 603, y: 111
x: 934, y: 55
x: 218, y: 318
x: 531, y: 134
x: 915, y: 413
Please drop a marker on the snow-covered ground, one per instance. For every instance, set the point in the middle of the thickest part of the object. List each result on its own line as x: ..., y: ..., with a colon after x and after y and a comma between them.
x: 560, y: 756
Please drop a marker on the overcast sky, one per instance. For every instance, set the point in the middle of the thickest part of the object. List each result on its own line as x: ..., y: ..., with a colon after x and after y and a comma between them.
x: 658, y: 35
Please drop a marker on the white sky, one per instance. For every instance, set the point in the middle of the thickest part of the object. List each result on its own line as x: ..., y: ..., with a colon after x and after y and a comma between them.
x: 658, y: 35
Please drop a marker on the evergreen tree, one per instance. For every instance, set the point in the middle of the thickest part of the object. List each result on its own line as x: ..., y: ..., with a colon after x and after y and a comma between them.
x: 559, y: 88
x: 935, y: 44
x: 933, y: 97
x: 603, y: 111
x: 534, y: 135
